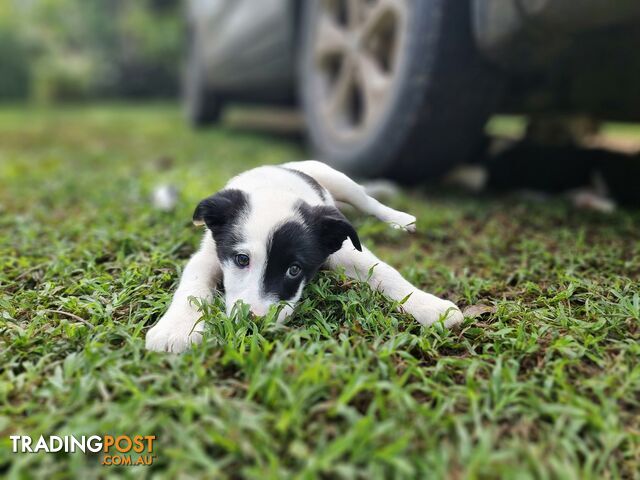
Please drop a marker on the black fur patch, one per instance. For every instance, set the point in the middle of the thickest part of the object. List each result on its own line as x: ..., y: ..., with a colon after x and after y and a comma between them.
x: 319, y: 189
x: 291, y: 243
x: 307, y: 244
x: 330, y: 226
x: 220, y: 212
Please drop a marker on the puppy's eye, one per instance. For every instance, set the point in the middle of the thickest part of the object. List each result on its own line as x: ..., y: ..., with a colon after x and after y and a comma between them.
x: 294, y: 271
x: 242, y: 260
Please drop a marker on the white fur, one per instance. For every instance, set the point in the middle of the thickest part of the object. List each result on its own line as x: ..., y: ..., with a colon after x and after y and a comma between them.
x: 269, y: 208
x: 179, y: 327
x: 343, y: 189
x: 278, y: 187
x: 424, y: 307
x: 273, y: 193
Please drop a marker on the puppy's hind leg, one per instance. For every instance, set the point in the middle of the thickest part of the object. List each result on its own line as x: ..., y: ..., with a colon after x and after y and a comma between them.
x: 424, y: 307
x: 343, y: 189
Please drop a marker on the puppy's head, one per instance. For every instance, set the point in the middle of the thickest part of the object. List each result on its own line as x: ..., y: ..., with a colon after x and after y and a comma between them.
x: 270, y: 244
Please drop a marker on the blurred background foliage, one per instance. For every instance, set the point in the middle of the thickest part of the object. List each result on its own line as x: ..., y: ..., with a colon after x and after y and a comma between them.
x: 74, y: 50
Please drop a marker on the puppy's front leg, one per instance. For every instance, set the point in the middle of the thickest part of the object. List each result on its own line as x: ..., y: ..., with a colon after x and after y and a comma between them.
x: 179, y: 327
x: 425, y: 308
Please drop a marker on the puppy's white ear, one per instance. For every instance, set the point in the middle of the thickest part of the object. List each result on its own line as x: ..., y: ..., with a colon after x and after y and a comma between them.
x: 217, y: 210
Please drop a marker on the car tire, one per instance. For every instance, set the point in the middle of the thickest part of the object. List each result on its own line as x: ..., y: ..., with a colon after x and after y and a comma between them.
x: 436, y: 91
x: 202, y: 105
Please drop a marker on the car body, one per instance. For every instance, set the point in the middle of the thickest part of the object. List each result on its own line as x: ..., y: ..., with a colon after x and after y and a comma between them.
x: 422, y: 81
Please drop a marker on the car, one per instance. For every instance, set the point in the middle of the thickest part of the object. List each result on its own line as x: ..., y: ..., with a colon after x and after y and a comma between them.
x: 403, y: 88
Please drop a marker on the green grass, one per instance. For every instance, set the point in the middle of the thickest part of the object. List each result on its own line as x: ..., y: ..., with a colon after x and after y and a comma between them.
x: 545, y: 386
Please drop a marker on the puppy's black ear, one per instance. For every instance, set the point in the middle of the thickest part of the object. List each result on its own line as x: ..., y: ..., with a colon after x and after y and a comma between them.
x: 334, y: 228
x: 217, y: 210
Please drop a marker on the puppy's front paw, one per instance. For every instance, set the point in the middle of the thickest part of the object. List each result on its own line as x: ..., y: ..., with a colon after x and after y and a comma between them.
x: 429, y: 309
x: 174, y: 333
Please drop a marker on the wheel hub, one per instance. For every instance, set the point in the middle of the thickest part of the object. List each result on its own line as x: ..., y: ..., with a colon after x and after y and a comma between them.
x: 357, y: 45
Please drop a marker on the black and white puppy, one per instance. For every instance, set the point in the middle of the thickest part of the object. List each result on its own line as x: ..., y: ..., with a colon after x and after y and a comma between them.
x: 267, y: 234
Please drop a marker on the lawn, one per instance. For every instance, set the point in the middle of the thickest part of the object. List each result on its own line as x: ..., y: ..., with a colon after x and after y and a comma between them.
x: 546, y: 384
